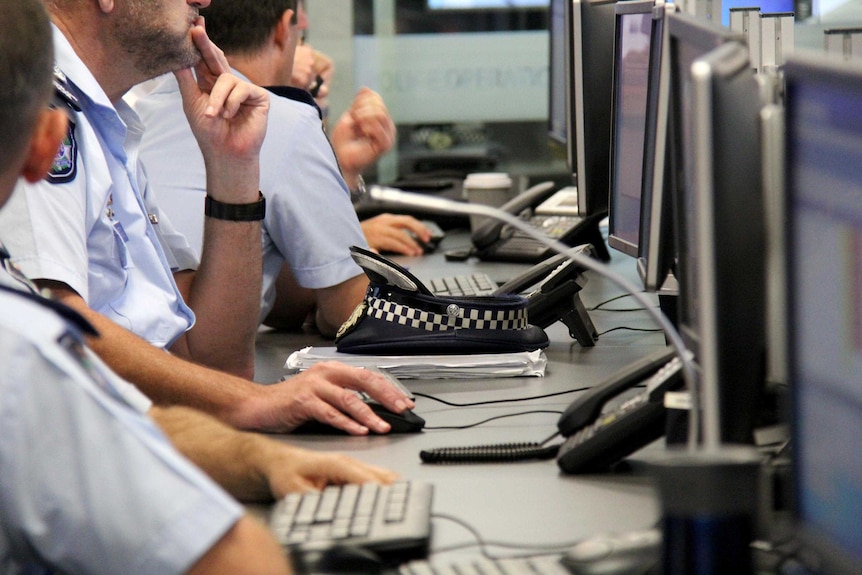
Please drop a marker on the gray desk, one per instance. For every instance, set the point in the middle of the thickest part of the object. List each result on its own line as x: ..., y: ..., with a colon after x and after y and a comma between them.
x: 524, y: 503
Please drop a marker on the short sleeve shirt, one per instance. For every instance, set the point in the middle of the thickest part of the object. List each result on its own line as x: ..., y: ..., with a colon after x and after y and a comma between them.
x: 90, y: 485
x: 89, y: 225
x: 310, y: 222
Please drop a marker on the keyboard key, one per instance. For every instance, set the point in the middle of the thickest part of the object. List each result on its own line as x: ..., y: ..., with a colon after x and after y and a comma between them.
x: 473, y: 284
x: 394, y: 520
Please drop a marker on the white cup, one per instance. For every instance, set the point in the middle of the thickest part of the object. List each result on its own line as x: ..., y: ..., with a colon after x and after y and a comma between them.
x: 489, y: 189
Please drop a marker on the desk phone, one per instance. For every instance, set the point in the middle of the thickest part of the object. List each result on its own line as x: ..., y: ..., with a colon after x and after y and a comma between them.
x: 554, y: 213
x: 619, y: 416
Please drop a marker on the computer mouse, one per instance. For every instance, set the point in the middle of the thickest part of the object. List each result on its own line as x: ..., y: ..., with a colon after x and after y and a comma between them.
x: 406, y: 422
x: 339, y: 560
x: 632, y: 553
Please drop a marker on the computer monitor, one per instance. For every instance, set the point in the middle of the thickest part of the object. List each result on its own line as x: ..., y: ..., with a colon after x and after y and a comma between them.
x: 719, y: 221
x: 823, y: 154
x: 656, y: 245
x: 631, y: 71
x: 591, y: 25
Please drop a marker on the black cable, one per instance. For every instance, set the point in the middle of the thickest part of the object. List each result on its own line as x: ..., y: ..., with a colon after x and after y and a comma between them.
x: 628, y: 328
x: 492, y: 419
x: 493, y: 401
x: 607, y: 301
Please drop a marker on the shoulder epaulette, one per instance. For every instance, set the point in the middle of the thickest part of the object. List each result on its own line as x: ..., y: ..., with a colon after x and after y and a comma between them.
x: 62, y: 93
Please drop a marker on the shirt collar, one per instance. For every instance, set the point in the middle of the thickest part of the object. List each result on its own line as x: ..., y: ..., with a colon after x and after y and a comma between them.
x: 297, y: 95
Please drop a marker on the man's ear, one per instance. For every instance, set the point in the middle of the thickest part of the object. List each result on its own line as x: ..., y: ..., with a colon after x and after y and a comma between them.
x: 49, y: 132
x: 283, y: 32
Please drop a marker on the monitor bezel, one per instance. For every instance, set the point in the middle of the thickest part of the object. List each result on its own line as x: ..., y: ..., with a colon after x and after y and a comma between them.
x: 592, y: 23
x: 621, y: 10
x: 656, y: 246
x: 566, y: 140
x: 722, y: 298
x: 731, y: 258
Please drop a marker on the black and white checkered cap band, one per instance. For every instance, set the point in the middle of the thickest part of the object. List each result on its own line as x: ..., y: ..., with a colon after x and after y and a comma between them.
x: 457, y: 317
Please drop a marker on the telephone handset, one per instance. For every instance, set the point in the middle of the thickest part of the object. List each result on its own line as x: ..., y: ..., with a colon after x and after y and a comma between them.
x: 552, y: 212
x: 552, y: 290
x: 613, y: 419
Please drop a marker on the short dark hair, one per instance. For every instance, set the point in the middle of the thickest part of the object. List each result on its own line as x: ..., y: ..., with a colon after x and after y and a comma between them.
x: 26, y: 61
x: 243, y: 27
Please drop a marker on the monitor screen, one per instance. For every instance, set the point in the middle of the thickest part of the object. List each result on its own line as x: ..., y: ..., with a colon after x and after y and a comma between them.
x: 631, y: 70
x: 719, y: 219
x: 656, y: 247
x: 592, y: 30
x: 824, y: 260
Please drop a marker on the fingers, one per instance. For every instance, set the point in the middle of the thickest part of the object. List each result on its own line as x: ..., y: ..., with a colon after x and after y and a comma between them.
x: 379, y: 388
x: 302, y: 470
x: 303, y: 67
x: 372, y: 120
x: 229, y: 94
x: 396, y: 233
x: 415, y: 226
x: 325, y: 395
x: 341, y: 409
x: 213, y: 60
x: 341, y: 469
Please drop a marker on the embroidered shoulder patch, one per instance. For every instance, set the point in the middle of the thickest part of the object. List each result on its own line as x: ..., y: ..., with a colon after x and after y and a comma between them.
x: 65, y: 166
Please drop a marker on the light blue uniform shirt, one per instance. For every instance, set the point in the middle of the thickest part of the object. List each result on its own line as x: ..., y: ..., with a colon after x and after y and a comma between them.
x: 310, y: 221
x: 91, y: 227
x: 89, y: 484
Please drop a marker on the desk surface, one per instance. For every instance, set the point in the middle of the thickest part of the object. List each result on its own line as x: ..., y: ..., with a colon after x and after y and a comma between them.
x: 522, y: 503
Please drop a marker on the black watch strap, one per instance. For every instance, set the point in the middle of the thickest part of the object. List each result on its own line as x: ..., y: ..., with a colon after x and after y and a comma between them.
x: 252, y: 212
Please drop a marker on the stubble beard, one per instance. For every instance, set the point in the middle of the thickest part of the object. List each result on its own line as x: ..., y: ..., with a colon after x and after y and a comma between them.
x: 154, y: 49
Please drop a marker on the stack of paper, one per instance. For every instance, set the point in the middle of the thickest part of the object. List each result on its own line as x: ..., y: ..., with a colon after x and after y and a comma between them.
x: 527, y: 363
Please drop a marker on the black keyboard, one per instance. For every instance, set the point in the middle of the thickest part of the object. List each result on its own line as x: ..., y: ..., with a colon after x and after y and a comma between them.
x: 393, y: 521
x: 473, y: 284
x: 542, y: 565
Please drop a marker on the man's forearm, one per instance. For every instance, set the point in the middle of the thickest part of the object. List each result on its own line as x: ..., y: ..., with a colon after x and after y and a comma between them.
x: 228, y: 456
x: 336, y: 303
x: 225, y: 295
x: 162, y: 376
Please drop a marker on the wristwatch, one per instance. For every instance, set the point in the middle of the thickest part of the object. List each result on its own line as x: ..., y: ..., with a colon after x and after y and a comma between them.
x: 253, y: 212
x: 360, y: 189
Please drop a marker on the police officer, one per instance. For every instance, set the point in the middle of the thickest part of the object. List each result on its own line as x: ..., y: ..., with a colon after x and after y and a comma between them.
x: 310, y: 223
x: 91, y: 233
x: 91, y: 485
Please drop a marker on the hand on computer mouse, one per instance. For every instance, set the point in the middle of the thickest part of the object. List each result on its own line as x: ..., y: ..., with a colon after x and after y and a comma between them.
x: 405, y: 422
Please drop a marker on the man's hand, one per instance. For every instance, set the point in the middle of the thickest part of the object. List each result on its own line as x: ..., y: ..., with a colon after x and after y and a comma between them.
x: 309, y: 65
x: 228, y: 117
x: 323, y: 393
x: 303, y: 73
x: 389, y: 233
x: 290, y: 469
x: 362, y: 134
x: 253, y: 467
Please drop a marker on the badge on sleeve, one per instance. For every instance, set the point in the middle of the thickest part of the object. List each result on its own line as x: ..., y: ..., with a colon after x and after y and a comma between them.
x: 65, y: 166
